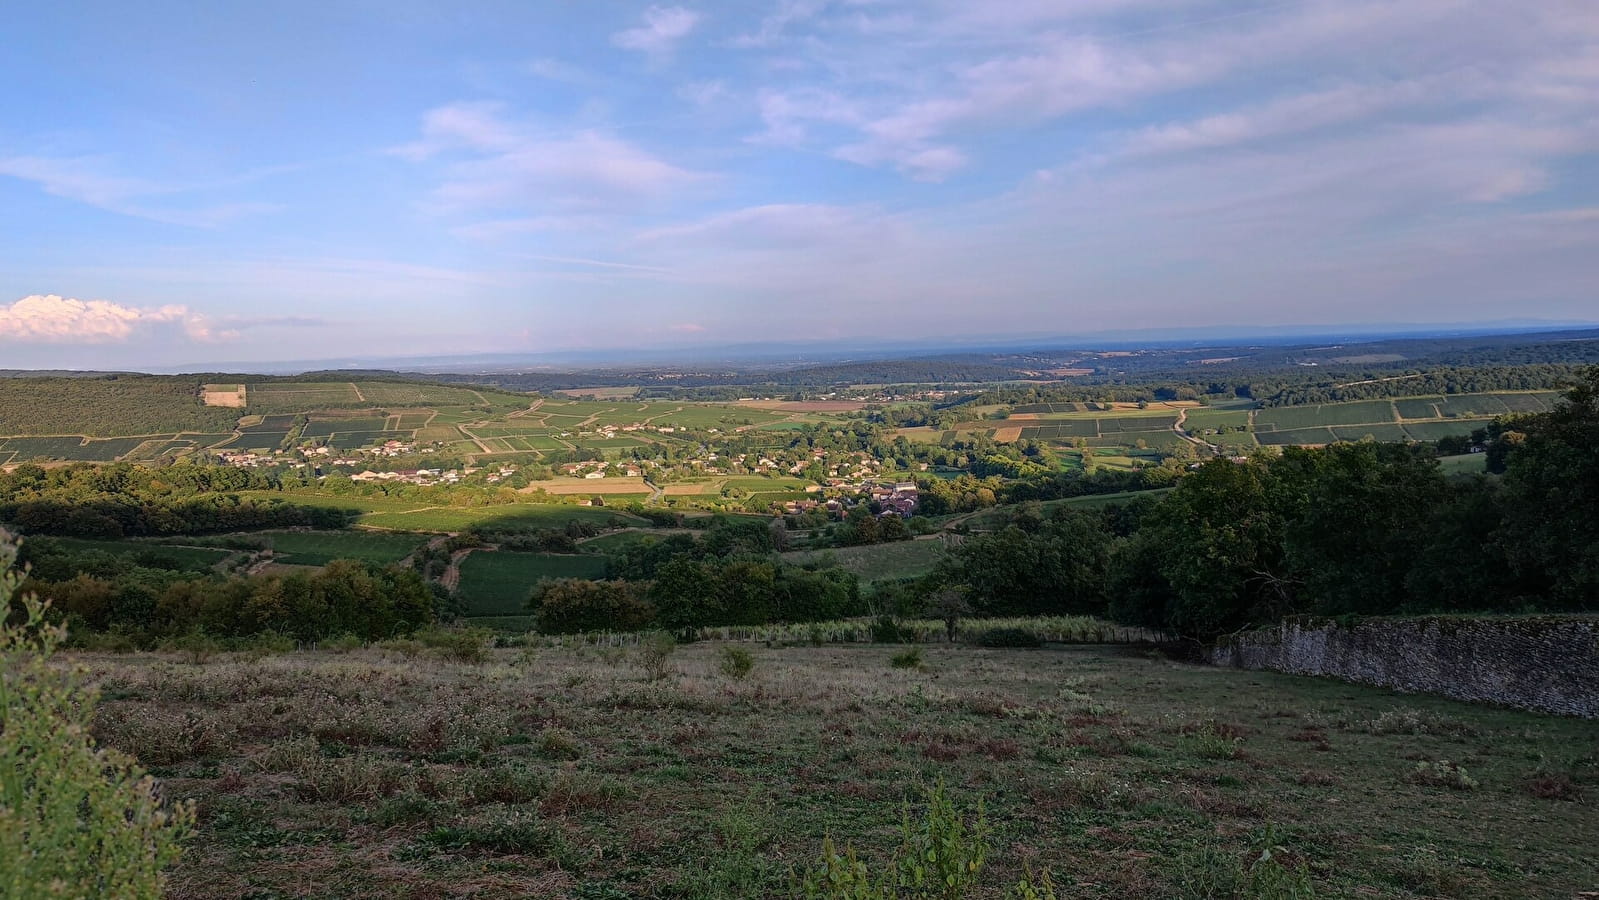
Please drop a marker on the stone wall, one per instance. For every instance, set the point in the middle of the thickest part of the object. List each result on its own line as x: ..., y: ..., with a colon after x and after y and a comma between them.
x: 1545, y: 663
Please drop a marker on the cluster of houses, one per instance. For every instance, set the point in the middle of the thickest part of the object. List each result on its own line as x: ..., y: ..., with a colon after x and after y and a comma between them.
x: 495, y: 475
x: 411, y: 476
x: 595, y: 469
x: 893, y: 498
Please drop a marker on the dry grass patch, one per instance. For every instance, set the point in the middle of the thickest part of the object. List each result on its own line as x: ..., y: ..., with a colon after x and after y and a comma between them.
x: 567, y: 773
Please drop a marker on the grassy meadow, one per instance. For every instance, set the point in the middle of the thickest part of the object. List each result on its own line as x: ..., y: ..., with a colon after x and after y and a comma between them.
x: 393, y: 772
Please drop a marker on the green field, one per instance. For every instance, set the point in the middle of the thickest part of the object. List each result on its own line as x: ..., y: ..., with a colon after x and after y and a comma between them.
x: 497, y: 583
x: 997, y: 517
x: 71, y: 448
x: 318, y: 548
x: 877, y: 562
x: 1464, y: 464
x: 326, y: 427
x: 197, y: 559
x: 513, y: 516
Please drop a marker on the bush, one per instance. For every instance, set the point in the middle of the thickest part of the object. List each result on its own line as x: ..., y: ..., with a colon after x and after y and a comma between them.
x: 735, y: 662
x: 1008, y: 637
x: 654, y: 655
x: 465, y: 645
x: 886, y: 631
x: 342, y: 643
x: 196, y: 647
x: 907, y: 659
x: 267, y: 643
x: 79, y: 820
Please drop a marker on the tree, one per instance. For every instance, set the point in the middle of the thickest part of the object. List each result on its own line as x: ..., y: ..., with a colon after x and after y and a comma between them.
x: 1551, y: 531
x: 76, y: 820
x: 949, y: 606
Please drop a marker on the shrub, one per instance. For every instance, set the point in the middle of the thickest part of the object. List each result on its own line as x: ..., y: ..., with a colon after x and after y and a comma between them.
x: 1008, y: 637
x: 79, y: 820
x: 464, y: 645
x: 1553, y: 786
x: 195, y: 647
x: 655, y: 653
x: 735, y: 662
x: 907, y: 659
x: 268, y: 643
x: 342, y: 643
x: 886, y: 631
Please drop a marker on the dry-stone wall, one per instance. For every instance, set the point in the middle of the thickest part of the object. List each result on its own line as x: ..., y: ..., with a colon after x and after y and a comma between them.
x: 1546, y: 663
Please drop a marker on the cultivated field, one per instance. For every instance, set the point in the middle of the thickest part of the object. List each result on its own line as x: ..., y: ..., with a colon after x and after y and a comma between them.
x: 318, y: 548
x: 497, y: 583
x: 558, y: 773
x: 878, y: 562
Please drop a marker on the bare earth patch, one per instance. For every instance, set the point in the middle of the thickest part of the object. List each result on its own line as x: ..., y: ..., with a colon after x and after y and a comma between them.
x: 561, y: 486
x: 228, y: 395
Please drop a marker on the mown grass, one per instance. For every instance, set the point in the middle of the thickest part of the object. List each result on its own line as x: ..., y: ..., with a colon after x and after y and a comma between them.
x: 563, y: 773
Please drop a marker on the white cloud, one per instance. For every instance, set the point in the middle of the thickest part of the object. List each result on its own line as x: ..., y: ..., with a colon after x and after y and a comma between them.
x: 492, y: 163
x: 663, y: 27
x: 49, y: 318
x: 704, y: 93
x: 555, y: 70
x: 87, y: 179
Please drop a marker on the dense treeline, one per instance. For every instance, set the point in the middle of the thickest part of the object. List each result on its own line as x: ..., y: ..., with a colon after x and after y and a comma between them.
x: 125, y: 500
x: 147, y: 605
x: 727, y: 576
x: 109, y: 406
x: 1352, y: 529
x: 1292, y: 388
x: 1447, y: 380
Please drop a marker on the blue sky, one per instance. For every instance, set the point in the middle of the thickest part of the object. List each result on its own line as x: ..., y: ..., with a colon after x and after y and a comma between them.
x: 189, y: 182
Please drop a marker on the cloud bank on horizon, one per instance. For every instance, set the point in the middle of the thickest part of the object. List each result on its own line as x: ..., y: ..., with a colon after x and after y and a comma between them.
x: 300, y: 180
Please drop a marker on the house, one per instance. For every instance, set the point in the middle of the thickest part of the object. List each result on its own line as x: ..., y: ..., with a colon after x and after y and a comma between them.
x: 595, y: 474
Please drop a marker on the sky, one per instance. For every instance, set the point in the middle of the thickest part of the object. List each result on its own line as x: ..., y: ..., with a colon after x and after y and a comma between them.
x: 183, y: 182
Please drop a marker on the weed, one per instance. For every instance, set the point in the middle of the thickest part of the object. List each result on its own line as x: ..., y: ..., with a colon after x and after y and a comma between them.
x: 1213, y: 740
x: 1409, y: 720
x: 556, y: 743
x: 404, y: 809
x: 510, y: 833
x: 1547, y: 785
x: 1442, y: 773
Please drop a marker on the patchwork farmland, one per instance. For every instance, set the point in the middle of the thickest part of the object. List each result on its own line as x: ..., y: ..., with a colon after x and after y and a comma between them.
x: 1244, y: 425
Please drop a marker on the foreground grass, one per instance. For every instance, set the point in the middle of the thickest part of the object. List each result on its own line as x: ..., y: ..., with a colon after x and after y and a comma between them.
x: 564, y: 773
